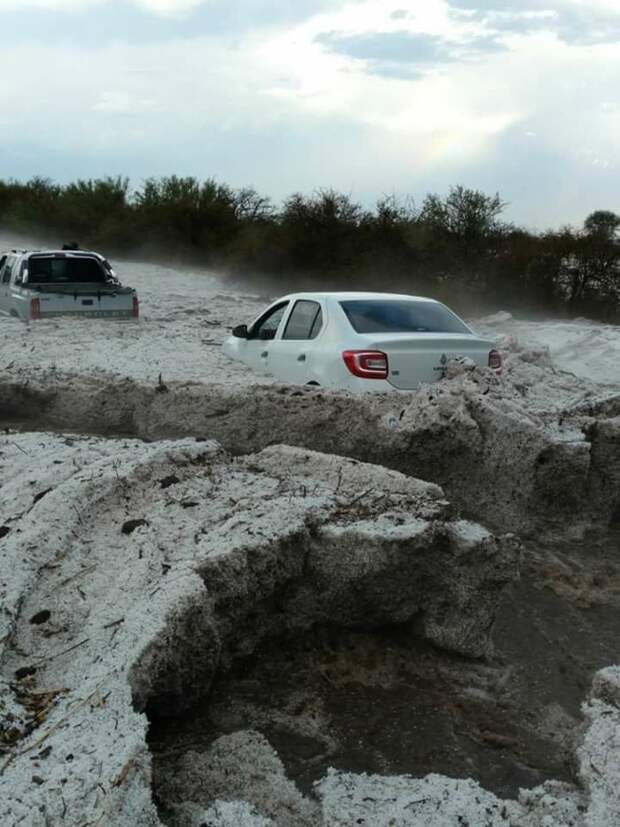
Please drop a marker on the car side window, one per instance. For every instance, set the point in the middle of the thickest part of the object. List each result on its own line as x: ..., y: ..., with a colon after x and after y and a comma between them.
x: 267, y: 326
x: 6, y: 271
x: 305, y: 320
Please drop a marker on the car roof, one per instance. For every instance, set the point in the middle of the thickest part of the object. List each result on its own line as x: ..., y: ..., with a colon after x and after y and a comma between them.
x: 53, y: 253
x: 351, y: 295
x: 64, y: 253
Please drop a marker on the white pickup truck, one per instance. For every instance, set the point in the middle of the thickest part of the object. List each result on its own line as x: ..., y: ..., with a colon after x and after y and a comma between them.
x: 40, y: 284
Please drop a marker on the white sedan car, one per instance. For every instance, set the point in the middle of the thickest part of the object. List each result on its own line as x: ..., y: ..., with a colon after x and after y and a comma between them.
x: 357, y: 341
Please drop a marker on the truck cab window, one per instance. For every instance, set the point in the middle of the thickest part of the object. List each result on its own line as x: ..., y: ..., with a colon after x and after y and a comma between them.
x: 65, y: 269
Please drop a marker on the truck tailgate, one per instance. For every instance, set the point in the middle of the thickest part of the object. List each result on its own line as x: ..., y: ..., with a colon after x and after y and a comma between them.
x: 93, y: 304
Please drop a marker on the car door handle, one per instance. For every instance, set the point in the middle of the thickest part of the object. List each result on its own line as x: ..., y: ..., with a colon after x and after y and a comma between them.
x: 264, y: 354
x: 301, y: 357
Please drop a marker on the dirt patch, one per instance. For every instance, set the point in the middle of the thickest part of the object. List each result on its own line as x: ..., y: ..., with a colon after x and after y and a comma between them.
x: 385, y: 702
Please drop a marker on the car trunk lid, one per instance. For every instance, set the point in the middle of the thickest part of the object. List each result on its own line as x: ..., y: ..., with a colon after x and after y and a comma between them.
x: 417, y: 358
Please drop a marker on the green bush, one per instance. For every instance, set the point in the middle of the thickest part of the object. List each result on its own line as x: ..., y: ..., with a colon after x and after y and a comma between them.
x: 455, y: 247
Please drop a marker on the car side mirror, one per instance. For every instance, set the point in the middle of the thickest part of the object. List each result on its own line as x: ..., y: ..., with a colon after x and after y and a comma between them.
x: 241, y: 331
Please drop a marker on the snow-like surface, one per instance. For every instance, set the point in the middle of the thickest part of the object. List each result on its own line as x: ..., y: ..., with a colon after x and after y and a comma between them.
x: 186, y: 313
x: 152, y: 562
x: 584, y: 347
x: 65, y: 503
x: 185, y: 316
x: 118, y: 598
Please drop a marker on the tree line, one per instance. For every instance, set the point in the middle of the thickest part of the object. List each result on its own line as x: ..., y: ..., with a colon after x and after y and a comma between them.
x: 455, y: 247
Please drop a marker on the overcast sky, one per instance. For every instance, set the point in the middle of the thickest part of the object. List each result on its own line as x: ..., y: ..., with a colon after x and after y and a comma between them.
x: 371, y: 97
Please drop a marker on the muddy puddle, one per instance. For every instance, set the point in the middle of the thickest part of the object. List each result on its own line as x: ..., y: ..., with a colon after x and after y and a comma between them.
x: 385, y: 702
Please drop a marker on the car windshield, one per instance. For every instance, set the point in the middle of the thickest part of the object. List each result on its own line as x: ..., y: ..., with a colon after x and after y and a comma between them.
x: 401, y: 316
x: 65, y: 269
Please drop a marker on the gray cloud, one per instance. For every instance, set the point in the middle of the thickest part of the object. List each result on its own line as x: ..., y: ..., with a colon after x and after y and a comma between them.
x: 403, y: 54
x: 507, y: 22
x: 387, y: 46
x: 574, y: 25
x: 579, y: 26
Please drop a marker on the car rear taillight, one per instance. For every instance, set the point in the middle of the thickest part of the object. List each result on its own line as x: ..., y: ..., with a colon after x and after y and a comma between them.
x: 35, y: 308
x: 135, y: 308
x: 495, y: 360
x: 367, y: 364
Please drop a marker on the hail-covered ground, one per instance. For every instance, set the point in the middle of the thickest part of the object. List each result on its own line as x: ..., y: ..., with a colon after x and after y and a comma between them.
x: 133, y: 574
x: 184, y: 316
x: 186, y: 313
